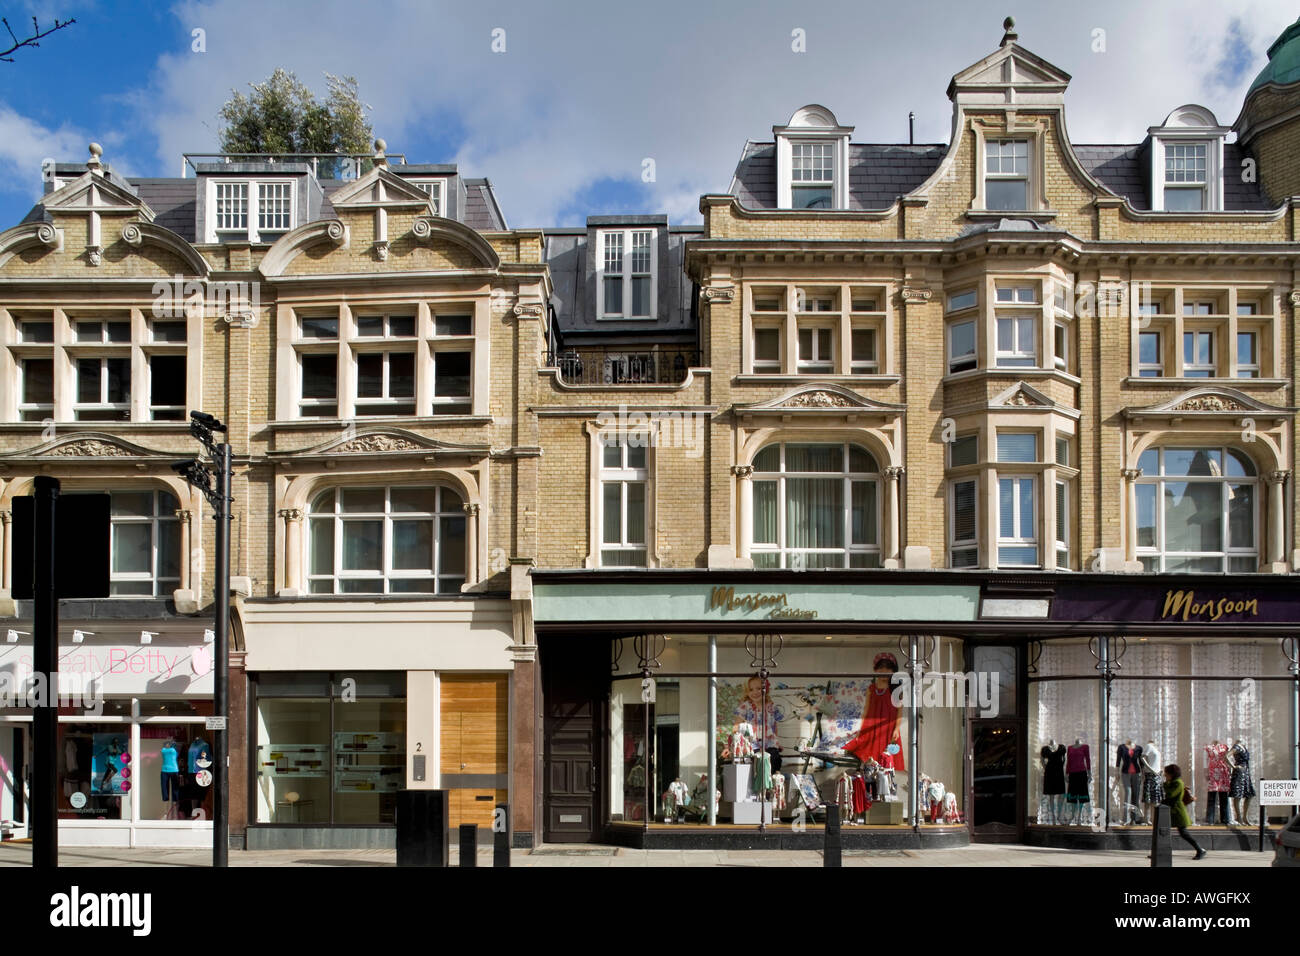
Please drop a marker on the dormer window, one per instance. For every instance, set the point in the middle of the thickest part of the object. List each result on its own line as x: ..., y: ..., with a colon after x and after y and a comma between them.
x: 812, y: 175
x: 1185, y: 176
x: 1187, y: 162
x: 434, y: 188
x: 250, y: 210
x: 812, y: 159
x: 626, y: 282
x: 1006, y: 171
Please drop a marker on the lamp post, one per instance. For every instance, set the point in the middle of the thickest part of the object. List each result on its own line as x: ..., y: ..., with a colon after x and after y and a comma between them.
x: 200, y: 476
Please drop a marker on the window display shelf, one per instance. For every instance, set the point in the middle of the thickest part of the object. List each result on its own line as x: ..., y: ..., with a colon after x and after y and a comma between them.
x: 292, y: 760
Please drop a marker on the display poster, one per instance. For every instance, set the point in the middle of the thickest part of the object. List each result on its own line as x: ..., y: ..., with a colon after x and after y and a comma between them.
x: 110, y: 764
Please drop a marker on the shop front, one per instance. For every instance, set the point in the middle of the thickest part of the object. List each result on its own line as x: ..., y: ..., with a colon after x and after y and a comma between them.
x: 689, y: 708
x: 134, y: 756
x: 683, y: 710
x: 351, y: 701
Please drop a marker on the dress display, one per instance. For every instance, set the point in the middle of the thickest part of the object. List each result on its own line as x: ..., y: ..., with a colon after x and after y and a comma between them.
x: 1153, y: 781
x: 1218, y: 779
x: 1241, y: 784
x: 1054, y: 771
x: 1078, y: 763
x: 879, y: 729
x: 1128, y: 761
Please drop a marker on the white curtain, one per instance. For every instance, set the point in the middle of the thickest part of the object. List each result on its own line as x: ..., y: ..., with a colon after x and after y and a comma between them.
x: 1063, y: 710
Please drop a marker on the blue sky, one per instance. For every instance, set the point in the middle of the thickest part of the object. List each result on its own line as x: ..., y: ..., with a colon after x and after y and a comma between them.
x: 585, y: 91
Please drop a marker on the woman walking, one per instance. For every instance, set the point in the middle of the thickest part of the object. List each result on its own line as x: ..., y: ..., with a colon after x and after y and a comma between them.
x: 1178, y: 815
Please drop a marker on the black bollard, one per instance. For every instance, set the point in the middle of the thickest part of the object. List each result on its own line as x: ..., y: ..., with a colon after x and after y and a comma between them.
x: 831, y: 852
x: 1162, y: 850
x: 469, y: 844
x: 501, y: 835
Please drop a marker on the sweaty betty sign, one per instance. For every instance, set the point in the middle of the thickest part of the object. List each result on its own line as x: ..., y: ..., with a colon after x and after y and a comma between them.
x: 122, y: 669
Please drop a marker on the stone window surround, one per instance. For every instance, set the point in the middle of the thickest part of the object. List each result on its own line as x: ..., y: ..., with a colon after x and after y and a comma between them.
x: 1170, y: 325
x: 877, y: 440
x: 595, y: 433
x: 424, y: 343
x: 294, y: 495
x: 1032, y: 129
x: 65, y: 350
x: 987, y: 309
x: 882, y: 321
x: 190, y: 514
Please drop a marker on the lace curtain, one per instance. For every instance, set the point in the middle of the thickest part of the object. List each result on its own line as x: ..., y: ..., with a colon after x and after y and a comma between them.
x: 1062, y: 710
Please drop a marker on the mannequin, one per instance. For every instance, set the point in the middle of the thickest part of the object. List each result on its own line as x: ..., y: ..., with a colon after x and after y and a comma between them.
x: 1242, y: 787
x: 169, y: 776
x: 676, y: 799
x: 1153, y: 789
x: 1078, y: 772
x: 1051, y: 810
x: 1218, y: 780
x: 1128, y: 761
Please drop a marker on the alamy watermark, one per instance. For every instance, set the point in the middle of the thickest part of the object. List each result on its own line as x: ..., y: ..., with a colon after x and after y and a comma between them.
x: 180, y: 298
x: 974, y: 689
x: 657, y: 429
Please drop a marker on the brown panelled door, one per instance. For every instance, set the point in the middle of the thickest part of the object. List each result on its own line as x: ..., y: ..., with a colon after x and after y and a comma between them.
x: 576, y: 691
x: 475, y: 752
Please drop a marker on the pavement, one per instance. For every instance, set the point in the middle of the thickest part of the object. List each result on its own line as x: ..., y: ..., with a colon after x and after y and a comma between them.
x: 988, y: 855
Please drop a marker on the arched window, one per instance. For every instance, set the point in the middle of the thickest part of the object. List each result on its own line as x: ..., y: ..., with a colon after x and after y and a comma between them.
x: 816, y: 506
x: 146, y: 543
x: 397, y: 540
x: 1197, y: 510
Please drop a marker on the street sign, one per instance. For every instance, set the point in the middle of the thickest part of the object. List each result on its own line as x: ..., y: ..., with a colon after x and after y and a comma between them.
x: 1279, y: 793
x: 214, y: 723
x: 81, y: 546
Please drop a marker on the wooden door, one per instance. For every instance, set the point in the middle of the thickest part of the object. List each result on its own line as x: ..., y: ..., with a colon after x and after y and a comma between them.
x: 475, y: 747
x: 576, y: 693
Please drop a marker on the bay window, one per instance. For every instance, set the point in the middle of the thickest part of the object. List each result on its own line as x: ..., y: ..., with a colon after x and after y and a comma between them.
x: 816, y: 506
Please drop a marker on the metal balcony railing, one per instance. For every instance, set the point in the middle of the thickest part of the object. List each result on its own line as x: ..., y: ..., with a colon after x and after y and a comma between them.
x: 323, y: 165
x: 599, y: 366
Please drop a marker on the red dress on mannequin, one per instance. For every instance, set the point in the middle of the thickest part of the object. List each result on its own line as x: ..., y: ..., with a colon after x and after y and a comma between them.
x: 879, y: 728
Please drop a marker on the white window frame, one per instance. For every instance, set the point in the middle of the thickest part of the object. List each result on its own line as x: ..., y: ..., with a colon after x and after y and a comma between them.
x: 1159, y: 554
x: 1201, y: 185
x: 446, y: 344
x: 434, y: 187
x: 815, y: 363
x: 34, y: 411
x: 154, y: 407
x: 623, y: 475
x: 1196, y: 369
x: 626, y: 274
x: 972, y: 356
x: 442, y: 583
x: 1020, y: 537
x: 1154, y: 369
x: 1026, y: 177
x: 386, y: 403
x: 963, y: 545
x: 1061, y: 345
x: 829, y: 151
x: 789, y: 556
x: 252, y: 231
x: 1015, y: 356
x: 159, y: 586
x: 1061, y: 502
x: 103, y: 405
x: 865, y: 366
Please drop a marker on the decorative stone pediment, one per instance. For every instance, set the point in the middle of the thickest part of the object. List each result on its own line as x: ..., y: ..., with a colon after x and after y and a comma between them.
x: 95, y: 193
x: 15, y: 240
x: 813, y: 399
x: 385, y: 443
x: 1209, y: 402
x: 379, y: 187
x: 1022, y: 395
x: 93, y: 445
x: 1009, y: 75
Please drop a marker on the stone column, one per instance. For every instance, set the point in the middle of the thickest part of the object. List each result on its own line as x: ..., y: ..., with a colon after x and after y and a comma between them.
x: 894, y: 520
x: 1277, y: 520
x: 184, y: 517
x: 745, y: 497
x: 293, y: 576
x: 1131, y: 475
x: 6, y: 550
x: 471, y: 543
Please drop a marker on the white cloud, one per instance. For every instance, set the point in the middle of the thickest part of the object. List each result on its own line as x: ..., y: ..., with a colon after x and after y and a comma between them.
x: 25, y: 144
x: 586, y: 90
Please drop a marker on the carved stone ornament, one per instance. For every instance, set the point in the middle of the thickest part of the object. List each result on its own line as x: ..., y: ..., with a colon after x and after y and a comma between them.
x: 422, y: 228
x: 1209, y: 403
x: 1295, y: 297
x: 895, y: 472
x: 1021, y: 400
x: 916, y: 295
x: 743, y: 471
x: 88, y: 448
x: 718, y: 294
x: 528, y: 310
x: 1276, y: 477
x: 1131, y: 474
x: 291, y: 514
x: 132, y: 235
x: 371, y: 443
x: 47, y: 235
x: 381, y: 250
x: 819, y: 399
x: 95, y: 254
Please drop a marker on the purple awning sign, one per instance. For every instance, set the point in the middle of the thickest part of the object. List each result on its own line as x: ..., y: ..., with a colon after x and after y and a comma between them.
x: 1172, y: 604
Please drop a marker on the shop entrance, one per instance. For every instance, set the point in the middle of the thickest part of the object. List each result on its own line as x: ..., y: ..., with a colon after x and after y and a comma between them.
x: 995, y: 776
x: 474, y: 738
x: 575, y: 691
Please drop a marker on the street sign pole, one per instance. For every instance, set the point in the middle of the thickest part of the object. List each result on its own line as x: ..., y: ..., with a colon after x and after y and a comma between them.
x: 45, y: 665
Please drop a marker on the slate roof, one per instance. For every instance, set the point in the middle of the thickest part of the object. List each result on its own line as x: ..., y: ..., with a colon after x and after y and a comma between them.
x: 481, y: 209
x: 172, y: 201
x: 878, y: 173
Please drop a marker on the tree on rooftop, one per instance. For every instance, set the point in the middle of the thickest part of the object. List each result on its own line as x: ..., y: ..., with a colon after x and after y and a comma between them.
x: 282, y: 115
